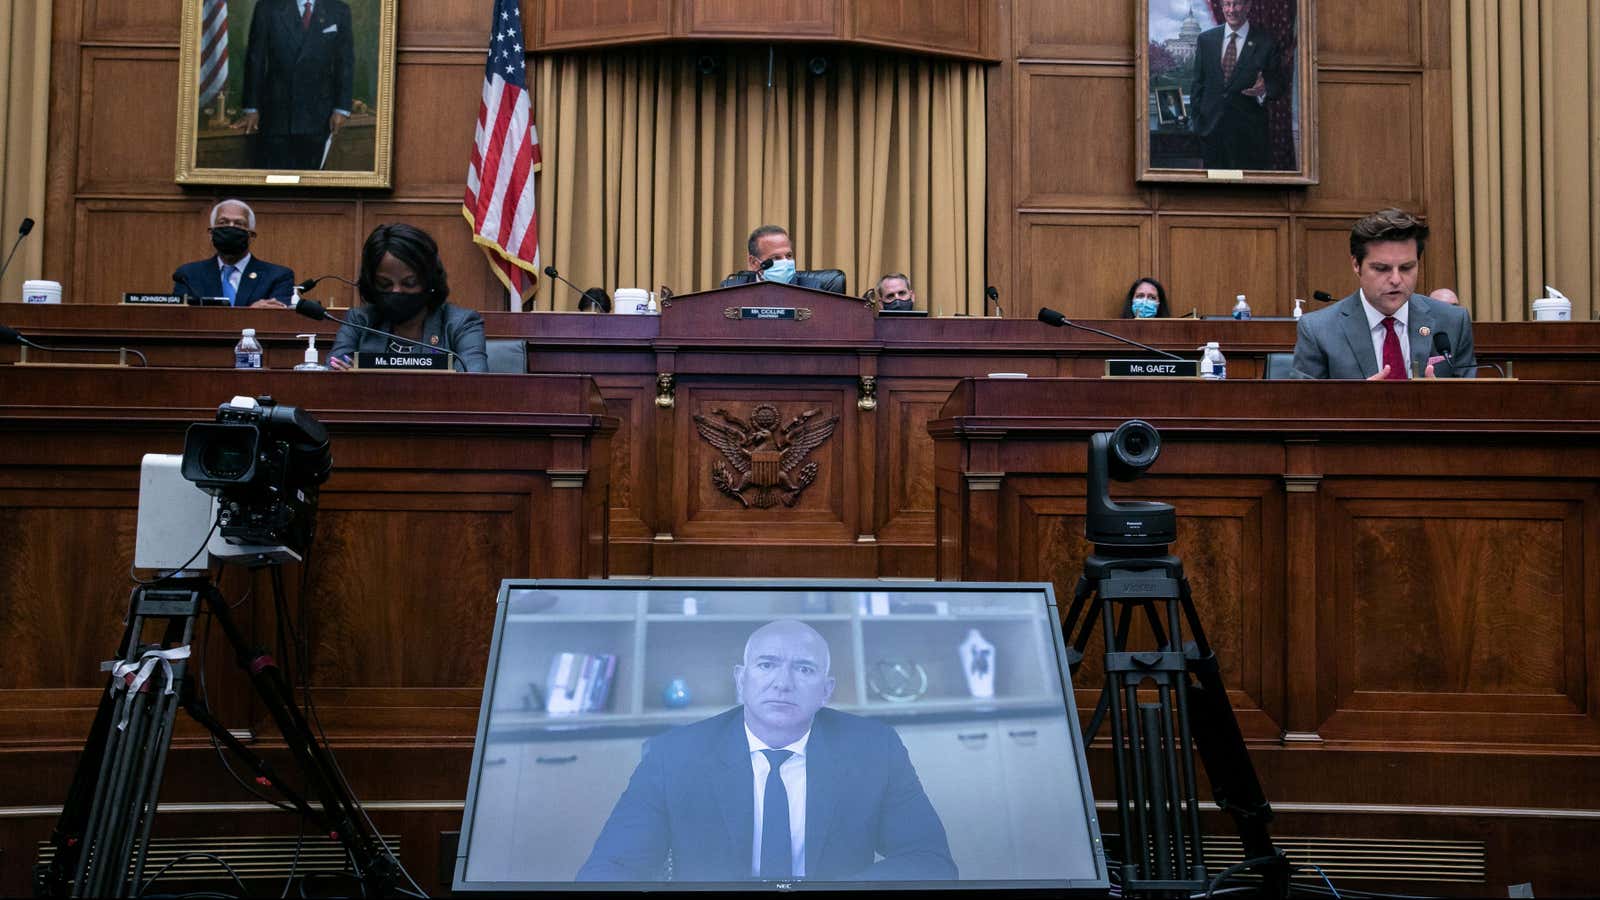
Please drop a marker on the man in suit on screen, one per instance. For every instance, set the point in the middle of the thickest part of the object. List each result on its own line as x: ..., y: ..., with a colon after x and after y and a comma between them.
x: 1386, y: 330
x: 298, y: 79
x: 1236, y: 71
x: 233, y: 273
x: 779, y: 788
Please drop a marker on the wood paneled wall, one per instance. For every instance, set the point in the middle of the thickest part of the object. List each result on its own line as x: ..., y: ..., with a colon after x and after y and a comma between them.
x: 116, y: 221
x: 1068, y: 225
x: 1071, y: 228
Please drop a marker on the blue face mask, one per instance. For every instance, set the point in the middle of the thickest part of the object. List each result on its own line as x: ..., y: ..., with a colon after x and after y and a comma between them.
x: 1145, y: 308
x: 781, y: 271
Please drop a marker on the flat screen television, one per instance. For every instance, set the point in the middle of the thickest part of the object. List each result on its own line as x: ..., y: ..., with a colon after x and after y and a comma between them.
x: 924, y: 736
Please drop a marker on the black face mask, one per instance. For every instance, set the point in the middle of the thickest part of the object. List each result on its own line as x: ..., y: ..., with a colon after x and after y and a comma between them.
x: 398, y: 306
x: 230, y: 241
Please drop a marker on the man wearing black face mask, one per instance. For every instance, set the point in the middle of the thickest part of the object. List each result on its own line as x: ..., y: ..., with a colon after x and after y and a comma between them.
x: 233, y: 273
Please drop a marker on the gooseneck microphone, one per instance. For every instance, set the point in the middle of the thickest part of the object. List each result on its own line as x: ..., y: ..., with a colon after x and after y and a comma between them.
x: 179, y: 278
x: 22, y: 232
x: 311, y: 309
x: 9, y: 335
x: 551, y: 271
x: 1441, y: 346
x: 993, y: 293
x: 1051, y: 317
x: 1324, y: 296
x: 310, y: 283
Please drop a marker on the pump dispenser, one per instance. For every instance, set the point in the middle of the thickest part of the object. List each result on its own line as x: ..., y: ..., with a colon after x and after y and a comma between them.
x: 311, y: 364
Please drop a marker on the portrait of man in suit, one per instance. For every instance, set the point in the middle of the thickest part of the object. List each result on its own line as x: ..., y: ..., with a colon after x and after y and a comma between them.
x: 778, y: 788
x: 299, y: 68
x: 1386, y: 330
x: 1236, y: 71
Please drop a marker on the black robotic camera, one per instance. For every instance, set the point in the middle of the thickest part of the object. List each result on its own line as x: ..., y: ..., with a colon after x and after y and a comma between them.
x: 1124, y: 455
x: 265, y: 464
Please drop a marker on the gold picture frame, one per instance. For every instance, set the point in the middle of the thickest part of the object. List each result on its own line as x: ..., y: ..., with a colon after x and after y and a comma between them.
x: 219, y: 143
x: 1193, y: 125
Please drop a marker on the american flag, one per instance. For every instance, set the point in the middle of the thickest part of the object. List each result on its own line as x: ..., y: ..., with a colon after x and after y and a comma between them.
x: 213, y: 49
x: 499, y: 203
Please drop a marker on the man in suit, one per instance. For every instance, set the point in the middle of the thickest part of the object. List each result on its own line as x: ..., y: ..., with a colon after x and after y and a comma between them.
x: 776, y: 789
x: 1235, y: 72
x: 233, y: 273
x: 895, y: 293
x: 771, y: 258
x: 298, y: 70
x: 1385, y: 330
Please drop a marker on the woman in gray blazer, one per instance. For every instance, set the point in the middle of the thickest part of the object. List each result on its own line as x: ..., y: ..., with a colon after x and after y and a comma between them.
x: 403, y: 291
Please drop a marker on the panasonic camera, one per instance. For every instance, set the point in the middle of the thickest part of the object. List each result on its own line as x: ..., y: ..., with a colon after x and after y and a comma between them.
x: 1124, y: 455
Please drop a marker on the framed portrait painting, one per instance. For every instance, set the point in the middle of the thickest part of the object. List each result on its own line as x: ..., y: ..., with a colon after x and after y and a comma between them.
x: 1226, y: 91
x: 286, y: 92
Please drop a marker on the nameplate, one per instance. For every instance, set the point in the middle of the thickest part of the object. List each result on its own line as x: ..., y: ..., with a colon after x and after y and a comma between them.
x: 768, y: 313
x: 423, y: 361
x: 1152, y: 368
x: 153, y: 299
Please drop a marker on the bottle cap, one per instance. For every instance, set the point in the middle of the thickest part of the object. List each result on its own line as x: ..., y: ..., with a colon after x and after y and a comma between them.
x: 249, y: 332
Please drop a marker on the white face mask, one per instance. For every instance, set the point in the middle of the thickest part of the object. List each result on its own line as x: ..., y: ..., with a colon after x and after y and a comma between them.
x: 781, y: 271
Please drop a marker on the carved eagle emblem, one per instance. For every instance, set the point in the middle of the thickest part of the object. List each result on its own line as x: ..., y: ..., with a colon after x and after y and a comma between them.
x: 762, y: 459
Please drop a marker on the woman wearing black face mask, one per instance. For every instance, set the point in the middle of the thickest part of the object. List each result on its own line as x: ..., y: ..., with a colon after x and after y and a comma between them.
x: 403, y: 291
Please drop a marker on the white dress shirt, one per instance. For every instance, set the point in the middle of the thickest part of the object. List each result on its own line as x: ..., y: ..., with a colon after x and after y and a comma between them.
x: 1379, y: 333
x: 793, y: 773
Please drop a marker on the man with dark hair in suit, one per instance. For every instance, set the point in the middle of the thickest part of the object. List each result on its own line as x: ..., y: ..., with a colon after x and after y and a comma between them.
x: 1236, y: 71
x: 298, y: 71
x: 771, y: 258
x: 1385, y: 330
x: 778, y: 788
x: 233, y: 273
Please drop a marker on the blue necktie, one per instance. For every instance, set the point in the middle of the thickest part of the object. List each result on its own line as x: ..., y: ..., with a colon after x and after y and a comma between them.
x: 777, y: 853
x: 228, y: 290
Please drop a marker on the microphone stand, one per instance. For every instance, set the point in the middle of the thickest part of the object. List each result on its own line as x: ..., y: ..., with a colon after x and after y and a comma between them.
x: 1051, y: 317
x: 9, y: 335
x: 22, y: 232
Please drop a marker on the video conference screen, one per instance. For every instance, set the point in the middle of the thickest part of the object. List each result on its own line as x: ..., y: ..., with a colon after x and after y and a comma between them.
x: 755, y: 735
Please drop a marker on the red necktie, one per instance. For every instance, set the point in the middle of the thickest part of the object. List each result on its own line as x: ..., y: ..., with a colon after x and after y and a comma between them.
x: 1392, y: 357
x: 305, y: 18
x: 1230, y: 57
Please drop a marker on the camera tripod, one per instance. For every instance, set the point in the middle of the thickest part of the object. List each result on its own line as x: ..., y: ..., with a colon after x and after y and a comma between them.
x: 103, y: 835
x: 1153, y: 744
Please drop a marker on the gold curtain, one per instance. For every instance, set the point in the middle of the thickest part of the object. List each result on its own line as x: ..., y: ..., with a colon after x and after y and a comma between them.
x: 655, y: 173
x: 1526, y: 94
x: 24, y: 127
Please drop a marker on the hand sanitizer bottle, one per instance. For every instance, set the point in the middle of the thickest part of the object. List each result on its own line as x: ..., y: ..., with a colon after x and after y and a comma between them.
x: 1213, y: 365
x: 1297, y: 310
x: 311, y: 364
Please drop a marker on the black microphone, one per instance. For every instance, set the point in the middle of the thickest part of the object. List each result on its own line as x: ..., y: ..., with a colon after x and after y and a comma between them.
x: 22, y: 232
x: 1051, y: 317
x: 1324, y: 296
x: 179, y: 278
x: 310, y: 283
x: 311, y: 309
x: 993, y: 293
x: 9, y: 335
x: 767, y: 263
x: 551, y: 271
x: 595, y: 298
x: 1441, y: 347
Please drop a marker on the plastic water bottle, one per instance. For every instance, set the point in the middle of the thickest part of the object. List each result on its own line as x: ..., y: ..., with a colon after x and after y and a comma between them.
x: 1213, y: 364
x: 1241, y: 309
x: 247, y: 353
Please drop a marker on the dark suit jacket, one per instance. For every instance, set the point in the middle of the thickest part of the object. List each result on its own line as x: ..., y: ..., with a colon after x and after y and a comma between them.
x: 830, y: 280
x: 260, y: 280
x: 1219, y: 111
x: 1336, y: 343
x: 693, y: 794
x: 296, y: 78
x: 453, y: 328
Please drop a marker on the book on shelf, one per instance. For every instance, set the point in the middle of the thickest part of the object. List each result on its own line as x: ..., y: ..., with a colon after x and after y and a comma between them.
x: 579, y: 683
